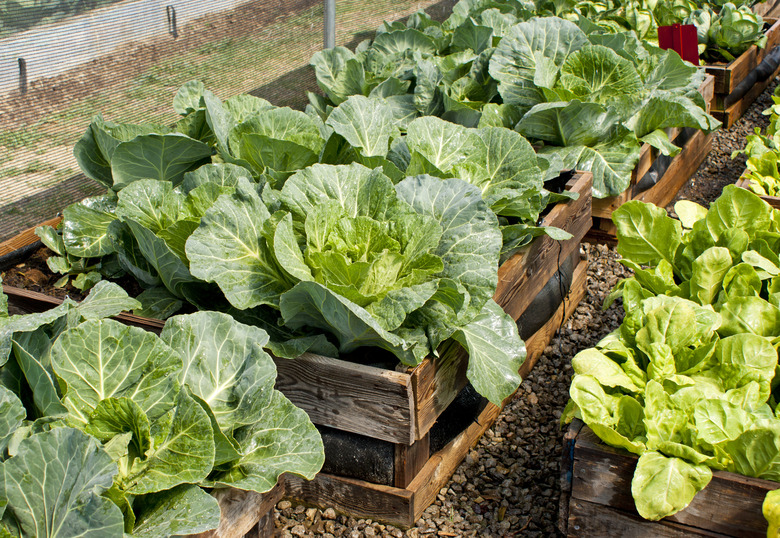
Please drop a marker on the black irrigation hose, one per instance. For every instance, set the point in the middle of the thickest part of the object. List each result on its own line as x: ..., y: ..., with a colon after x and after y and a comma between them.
x: 20, y: 254
x: 762, y: 72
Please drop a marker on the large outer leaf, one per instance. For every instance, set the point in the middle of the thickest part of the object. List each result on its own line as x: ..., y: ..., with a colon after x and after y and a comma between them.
x: 646, y: 234
x: 185, y: 509
x: 53, y: 486
x: 571, y: 123
x: 750, y: 315
x: 28, y: 323
x: 85, y: 226
x: 12, y: 413
x: 367, y: 124
x: 598, y: 74
x: 666, y: 109
x: 283, y: 440
x: 339, y: 73
x: 444, y: 144
x: 154, y: 156
x: 611, y: 164
x: 224, y: 364
x: 103, y: 358
x: 514, y: 64
x: 737, y: 208
x: 496, y: 353
x: 663, y: 486
x: 357, y: 189
x: 228, y: 249
x: 105, y: 299
x: 221, y: 174
x: 153, y: 204
x: 182, y: 450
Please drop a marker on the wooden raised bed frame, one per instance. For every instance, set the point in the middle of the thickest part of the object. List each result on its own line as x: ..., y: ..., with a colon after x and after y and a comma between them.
x: 728, y: 76
x: 396, y: 406
x: 404, y: 505
x: 774, y: 201
x: 596, y: 497
x: 677, y: 174
x: 246, y: 514
x: 401, y: 406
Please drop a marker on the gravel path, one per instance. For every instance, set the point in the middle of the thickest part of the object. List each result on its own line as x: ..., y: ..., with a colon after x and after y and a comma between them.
x: 508, y: 484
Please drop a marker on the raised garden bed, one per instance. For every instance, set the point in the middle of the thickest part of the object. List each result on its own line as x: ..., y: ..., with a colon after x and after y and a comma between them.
x: 245, y: 513
x: 401, y: 407
x: 732, y: 98
x: 656, y: 178
x: 774, y: 201
x: 404, y: 505
x: 596, y: 496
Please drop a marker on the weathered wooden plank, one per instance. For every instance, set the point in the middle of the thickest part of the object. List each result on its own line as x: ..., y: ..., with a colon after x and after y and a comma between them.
x: 729, y: 505
x: 410, y: 460
x: 536, y: 344
x: 567, y: 464
x: 362, y: 399
x: 589, y: 520
x: 354, y: 497
x: 243, y: 511
x: 774, y: 201
x: 522, y: 277
x: 768, y: 9
x: 439, y: 469
x: 730, y: 115
x: 25, y: 238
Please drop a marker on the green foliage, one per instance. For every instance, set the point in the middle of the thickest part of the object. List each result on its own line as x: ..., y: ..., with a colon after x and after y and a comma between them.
x: 141, y: 422
x: 687, y: 381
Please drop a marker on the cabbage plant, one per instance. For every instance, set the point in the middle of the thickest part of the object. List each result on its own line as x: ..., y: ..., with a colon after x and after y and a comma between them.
x: 589, y: 96
x: 109, y: 429
x: 345, y: 259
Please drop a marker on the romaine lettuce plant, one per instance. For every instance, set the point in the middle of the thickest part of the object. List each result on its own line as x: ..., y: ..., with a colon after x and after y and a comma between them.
x: 763, y: 152
x: 109, y: 429
x: 687, y: 381
x: 344, y: 259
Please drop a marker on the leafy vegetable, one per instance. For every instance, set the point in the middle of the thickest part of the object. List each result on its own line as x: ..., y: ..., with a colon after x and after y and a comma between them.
x: 367, y: 263
x: 686, y: 382
x: 590, y: 97
x: 135, y: 423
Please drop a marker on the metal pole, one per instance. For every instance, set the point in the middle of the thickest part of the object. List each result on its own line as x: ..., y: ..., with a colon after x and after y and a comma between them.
x: 329, y: 24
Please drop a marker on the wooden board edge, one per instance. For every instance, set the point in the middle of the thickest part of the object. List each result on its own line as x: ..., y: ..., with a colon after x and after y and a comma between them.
x: 242, y: 510
x: 734, y: 112
x: 25, y: 238
x: 536, y: 344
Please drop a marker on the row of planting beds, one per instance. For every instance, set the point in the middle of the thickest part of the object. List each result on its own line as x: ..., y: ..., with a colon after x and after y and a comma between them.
x: 389, y: 248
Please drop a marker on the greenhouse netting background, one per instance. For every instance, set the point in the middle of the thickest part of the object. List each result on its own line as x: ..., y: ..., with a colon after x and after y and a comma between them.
x: 64, y: 61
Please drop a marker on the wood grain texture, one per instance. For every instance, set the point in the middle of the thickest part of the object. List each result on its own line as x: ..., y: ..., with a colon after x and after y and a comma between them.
x: 774, y: 201
x: 244, y: 512
x: 361, y: 399
x: 396, y: 506
x: 25, y: 238
x: 682, y: 167
x: 567, y: 465
x: 730, y: 505
x: 522, y: 277
x: 768, y: 9
x: 410, y: 460
x: 730, y: 115
x: 728, y: 76
x: 536, y: 344
x: 590, y: 520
